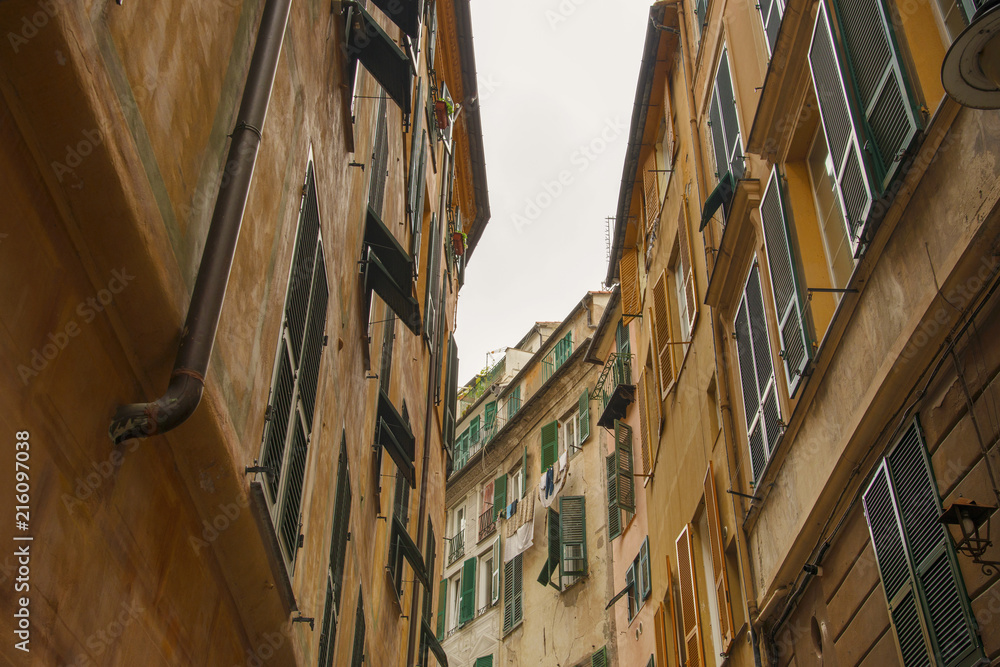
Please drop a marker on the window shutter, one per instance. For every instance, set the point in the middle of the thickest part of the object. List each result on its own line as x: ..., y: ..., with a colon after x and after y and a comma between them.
x: 631, y: 588
x: 524, y: 471
x: 416, y: 145
x: 643, y: 424
x: 358, y: 653
x: 467, y: 606
x: 718, y: 561
x: 628, y: 269
x: 653, y: 411
x: 572, y: 535
x: 659, y: 635
x: 512, y: 602
x: 623, y: 455
x: 432, y: 281
x: 495, y: 575
x: 651, y: 192
x: 614, y: 511
x: 417, y: 214
x: 499, y: 496
x: 369, y: 44
x: 689, y: 598
x: 770, y: 14
x: 485, y: 661
x: 718, y: 137
x: 645, y: 583
x: 491, y: 414
x: 687, y: 269
x: 730, y: 118
x: 442, y: 596
x: 796, y: 349
x: 584, y: 416
x: 550, y: 444
x: 288, y: 527
x: 553, y: 564
x: 379, y: 166
x: 600, y: 658
x: 663, y: 329
x: 673, y: 617
x: 760, y: 400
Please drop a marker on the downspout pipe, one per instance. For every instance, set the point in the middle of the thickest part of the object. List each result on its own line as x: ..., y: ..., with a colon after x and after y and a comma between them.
x: 187, y: 381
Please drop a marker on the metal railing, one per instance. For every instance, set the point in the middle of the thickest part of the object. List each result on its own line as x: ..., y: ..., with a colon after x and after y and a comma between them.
x: 487, y: 524
x: 617, y: 372
x: 456, y: 547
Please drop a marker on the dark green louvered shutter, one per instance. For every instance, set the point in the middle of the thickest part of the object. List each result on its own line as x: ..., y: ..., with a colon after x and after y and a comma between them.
x: 645, y: 585
x: 443, y: 591
x: 572, y: 536
x: 524, y: 472
x: 512, y: 601
x: 614, y: 511
x: 623, y: 455
x: 432, y: 281
x: 730, y: 119
x: 718, y: 137
x: 499, y: 496
x: 550, y: 444
x: 584, y: 416
x: 760, y: 399
x: 796, y: 349
x: 491, y: 417
x: 467, y: 606
x: 600, y: 658
x: 369, y: 44
x: 416, y: 146
x: 552, y: 564
x: 417, y: 213
x: 920, y: 574
x: 770, y: 13
x: 358, y: 653
x: 485, y: 661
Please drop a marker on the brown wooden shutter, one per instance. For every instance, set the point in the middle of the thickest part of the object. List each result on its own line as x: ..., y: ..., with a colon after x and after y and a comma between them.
x: 659, y: 632
x: 718, y: 561
x: 672, y: 627
x: 644, y: 425
x: 651, y: 192
x: 687, y: 267
x: 661, y: 320
x: 628, y: 268
x: 689, y: 598
x: 654, y: 413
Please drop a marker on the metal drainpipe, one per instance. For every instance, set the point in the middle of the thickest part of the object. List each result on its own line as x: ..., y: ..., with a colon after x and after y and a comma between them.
x: 187, y: 381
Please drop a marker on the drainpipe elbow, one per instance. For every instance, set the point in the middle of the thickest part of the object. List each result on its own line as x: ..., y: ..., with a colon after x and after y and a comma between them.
x: 141, y: 420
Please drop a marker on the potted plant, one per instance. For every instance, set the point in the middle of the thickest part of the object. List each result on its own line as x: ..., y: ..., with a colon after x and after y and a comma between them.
x: 458, y: 240
x: 443, y: 109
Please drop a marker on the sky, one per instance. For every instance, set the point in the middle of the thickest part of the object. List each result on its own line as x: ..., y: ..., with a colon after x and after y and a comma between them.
x: 556, y: 83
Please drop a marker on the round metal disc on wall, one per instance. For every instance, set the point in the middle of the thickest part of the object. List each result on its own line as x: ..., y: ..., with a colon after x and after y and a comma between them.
x: 962, y: 72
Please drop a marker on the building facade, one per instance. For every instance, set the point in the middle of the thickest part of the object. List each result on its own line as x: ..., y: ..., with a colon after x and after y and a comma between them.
x: 807, y: 228
x: 527, y: 573
x: 283, y: 501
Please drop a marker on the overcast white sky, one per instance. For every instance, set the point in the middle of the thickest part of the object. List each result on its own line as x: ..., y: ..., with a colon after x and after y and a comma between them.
x: 556, y: 84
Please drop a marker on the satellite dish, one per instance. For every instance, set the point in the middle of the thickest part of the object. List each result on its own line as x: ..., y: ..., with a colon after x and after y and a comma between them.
x: 971, y: 69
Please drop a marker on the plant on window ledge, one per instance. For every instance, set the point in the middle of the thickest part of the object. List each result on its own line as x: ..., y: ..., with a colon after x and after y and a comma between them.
x: 458, y: 240
x: 443, y: 110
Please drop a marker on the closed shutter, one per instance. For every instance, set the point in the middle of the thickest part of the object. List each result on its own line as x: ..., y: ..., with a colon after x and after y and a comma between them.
x: 796, y: 349
x: 512, y: 601
x: 485, y: 661
x: 760, y: 399
x: 628, y: 269
x: 689, y: 599
x: 378, y: 169
x: 341, y: 525
x: 491, y: 415
x: 495, y: 574
x: 550, y: 444
x: 442, y: 596
x: 718, y: 561
x: 467, y: 606
x: 499, y: 496
x: 329, y: 628
x: 573, y: 536
x: 917, y: 564
x: 690, y: 288
x: 614, y: 511
x: 623, y: 455
x: 644, y: 425
x: 659, y: 636
x: 584, y: 416
x: 645, y: 584
x: 600, y: 658
x: 653, y: 411
x: 358, y: 654
x: 770, y: 13
x: 671, y: 627
x: 651, y: 193
x: 663, y: 330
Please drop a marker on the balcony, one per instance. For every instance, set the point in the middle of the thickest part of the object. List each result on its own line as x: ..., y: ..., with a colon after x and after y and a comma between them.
x: 456, y: 547
x: 615, y: 389
x: 487, y: 524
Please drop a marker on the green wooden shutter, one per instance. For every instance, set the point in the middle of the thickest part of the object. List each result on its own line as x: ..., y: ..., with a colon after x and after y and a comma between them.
x: 474, y: 432
x: 600, y: 658
x: 553, y: 563
x: 512, y: 601
x: 497, y: 558
x: 418, y: 210
x: 614, y: 511
x: 550, y: 444
x: 524, y: 472
x: 584, y: 416
x: 491, y: 414
x: 760, y: 399
x: 467, y: 606
x: 572, y: 536
x: 718, y: 137
x: 623, y: 455
x: 514, y: 402
x: 796, y: 348
x: 442, y: 596
x: 485, y: 661
x: 499, y: 496
x: 730, y: 118
x: 645, y: 583
x: 416, y: 147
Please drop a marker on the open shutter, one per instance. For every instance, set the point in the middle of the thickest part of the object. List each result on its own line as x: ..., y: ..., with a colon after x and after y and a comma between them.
x: 485, y: 661
x: 404, y: 13
x: 644, y: 425
x: 600, y: 658
x: 467, y: 606
x: 499, y: 496
x: 524, y: 471
x: 663, y: 330
x: 690, y: 290
x: 508, y: 594
x: 659, y: 636
x: 672, y: 609
x: 442, y: 596
x: 689, y: 599
x: 495, y: 575
x: 369, y: 44
x: 416, y: 145
x: 553, y: 563
x: 550, y: 444
x: 651, y: 192
x: 718, y: 561
x: 628, y: 269
x: 730, y: 119
x: 623, y: 455
x: 795, y: 347
x: 645, y: 583
x: 614, y: 511
x: 653, y: 412
x: 572, y: 536
x: 770, y: 13
x: 718, y: 136
x: 760, y: 399
x: 584, y: 416
x: 417, y: 214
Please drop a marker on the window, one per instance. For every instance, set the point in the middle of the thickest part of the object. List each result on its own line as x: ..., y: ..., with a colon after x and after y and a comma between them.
x: 567, y: 549
x: 638, y: 584
x: 513, y: 611
x: 770, y: 13
x: 296, y: 376
x: 928, y: 606
x: 889, y: 122
x: 621, y: 484
x: 442, y: 609
x: 401, y: 500
x: 724, y: 123
x: 456, y: 600
x: 690, y: 609
x: 513, y: 402
x: 368, y: 44
x: 358, y: 654
x: 829, y: 212
x: 714, y: 559
x: 338, y: 550
x: 456, y: 544
x: 685, y: 332
x: 760, y: 397
x: 663, y: 335
x: 485, y: 593
x: 467, y: 603
x: 700, y: 18
x: 557, y: 356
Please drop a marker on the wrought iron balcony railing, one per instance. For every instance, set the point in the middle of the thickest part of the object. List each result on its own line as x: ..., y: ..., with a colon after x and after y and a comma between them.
x: 456, y: 547
x: 487, y: 524
x: 615, y: 389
